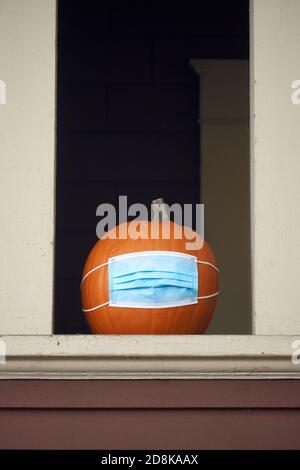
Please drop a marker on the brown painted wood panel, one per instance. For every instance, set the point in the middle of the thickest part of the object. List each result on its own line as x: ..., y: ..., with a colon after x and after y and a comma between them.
x: 149, y: 429
x: 150, y: 394
x: 150, y: 414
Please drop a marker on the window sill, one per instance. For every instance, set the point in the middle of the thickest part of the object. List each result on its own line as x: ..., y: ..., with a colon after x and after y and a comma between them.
x: 148, y: 357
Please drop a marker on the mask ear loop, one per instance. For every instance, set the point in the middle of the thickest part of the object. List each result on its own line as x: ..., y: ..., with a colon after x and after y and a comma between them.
x: 203, y: 297
x: 84, y: 277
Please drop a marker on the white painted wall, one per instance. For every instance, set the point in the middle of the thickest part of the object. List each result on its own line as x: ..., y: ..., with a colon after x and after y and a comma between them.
x: 27, y: 124
x: 275, y: 175
x: 27, y: 135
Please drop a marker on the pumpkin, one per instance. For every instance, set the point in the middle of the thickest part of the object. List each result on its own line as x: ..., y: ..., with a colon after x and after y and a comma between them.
x: 189, y: 319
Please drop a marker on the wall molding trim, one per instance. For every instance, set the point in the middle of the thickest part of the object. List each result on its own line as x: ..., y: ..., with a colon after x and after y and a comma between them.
x: 149, y: 357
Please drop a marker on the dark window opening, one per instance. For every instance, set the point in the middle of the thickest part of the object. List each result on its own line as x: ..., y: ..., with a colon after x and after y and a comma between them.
x: 127, y: 115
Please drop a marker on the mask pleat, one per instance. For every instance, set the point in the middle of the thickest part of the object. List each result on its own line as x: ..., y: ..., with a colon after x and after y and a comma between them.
x: 153, y: 275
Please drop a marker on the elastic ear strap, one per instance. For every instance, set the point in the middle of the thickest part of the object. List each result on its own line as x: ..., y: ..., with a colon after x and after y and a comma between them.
x: 215, y: 267
x: 208, y: 264
x: 91, y: 271
x: 84, y: 277
x: 94, y: 308
x: 209, y: 296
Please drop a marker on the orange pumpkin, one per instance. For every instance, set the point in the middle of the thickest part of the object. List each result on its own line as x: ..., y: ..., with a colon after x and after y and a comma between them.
x: 190, y: 319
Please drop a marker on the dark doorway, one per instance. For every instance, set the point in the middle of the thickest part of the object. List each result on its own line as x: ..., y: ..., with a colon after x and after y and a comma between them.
x: 127, y: 115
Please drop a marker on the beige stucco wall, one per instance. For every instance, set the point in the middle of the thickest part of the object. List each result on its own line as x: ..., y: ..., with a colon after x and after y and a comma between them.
x: 275, y: 189
x: 27, y: 121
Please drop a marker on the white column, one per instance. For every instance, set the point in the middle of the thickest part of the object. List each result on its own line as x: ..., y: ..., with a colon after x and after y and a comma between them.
x: 225, y: 169
x: 275, y: 174
x: 27, y: 133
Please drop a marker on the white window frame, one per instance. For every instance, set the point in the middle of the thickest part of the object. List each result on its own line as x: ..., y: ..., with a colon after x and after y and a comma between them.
x: 27, y: 143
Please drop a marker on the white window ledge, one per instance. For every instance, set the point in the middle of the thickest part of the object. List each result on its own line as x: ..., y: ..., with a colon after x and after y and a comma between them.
x: 148, y: 357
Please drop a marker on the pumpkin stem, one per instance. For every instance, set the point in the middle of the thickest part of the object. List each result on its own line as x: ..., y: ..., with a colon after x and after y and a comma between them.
x: 159, y: 210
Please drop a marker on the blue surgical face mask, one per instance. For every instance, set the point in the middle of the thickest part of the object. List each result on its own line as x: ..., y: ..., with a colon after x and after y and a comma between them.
x: 152, y: 279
